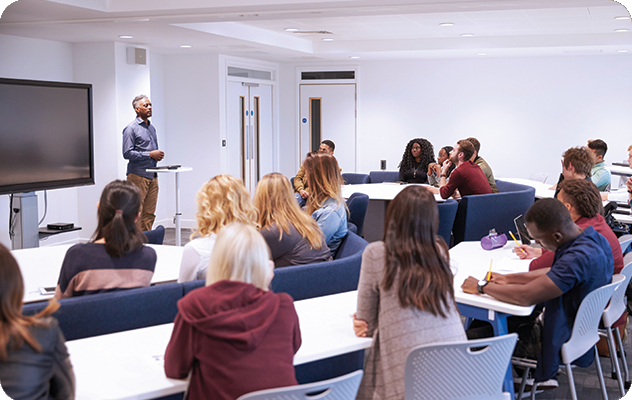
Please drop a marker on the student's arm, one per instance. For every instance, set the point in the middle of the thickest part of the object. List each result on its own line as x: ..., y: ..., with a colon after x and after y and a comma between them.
x: 188, y: 265
x: 129, y: 148
x: 447, y: 188
x: 299, y: 180
x: 538, y: 289
x: 179, y: 355
x: 328, y: 221
x: 365, y: 320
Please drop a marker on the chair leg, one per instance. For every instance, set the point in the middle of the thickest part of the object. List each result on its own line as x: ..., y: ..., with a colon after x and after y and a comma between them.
x: 611, y: 350
x: 534, y: 388
x: 571, y: 381
x: 523, y: 383
x: 621, y: 353
x: 602, y: 383
x: 615, y: 358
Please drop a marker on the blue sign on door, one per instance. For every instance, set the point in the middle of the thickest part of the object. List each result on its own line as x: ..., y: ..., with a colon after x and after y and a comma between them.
x: 304, y: 120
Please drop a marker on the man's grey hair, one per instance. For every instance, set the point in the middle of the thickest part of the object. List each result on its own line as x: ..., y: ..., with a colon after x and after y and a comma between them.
x: 137, y: 100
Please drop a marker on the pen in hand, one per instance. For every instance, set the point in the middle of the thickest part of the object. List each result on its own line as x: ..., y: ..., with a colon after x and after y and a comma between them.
x: 517, y: 244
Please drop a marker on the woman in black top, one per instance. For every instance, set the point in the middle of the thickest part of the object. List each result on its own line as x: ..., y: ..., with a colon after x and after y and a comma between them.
x: 414, y: 165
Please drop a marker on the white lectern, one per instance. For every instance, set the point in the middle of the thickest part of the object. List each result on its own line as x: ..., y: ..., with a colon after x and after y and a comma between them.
x: 175, y: 171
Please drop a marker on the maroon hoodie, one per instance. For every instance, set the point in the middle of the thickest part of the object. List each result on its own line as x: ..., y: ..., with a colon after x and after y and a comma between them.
x: 235, y: 339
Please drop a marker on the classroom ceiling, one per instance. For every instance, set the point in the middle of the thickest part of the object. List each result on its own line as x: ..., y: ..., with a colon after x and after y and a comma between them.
x: 367, y: 29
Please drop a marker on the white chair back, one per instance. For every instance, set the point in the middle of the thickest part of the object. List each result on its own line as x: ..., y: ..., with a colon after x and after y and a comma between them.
x: 585, y: 332
x: 341, y: 388
x: 471, y: 370
x: 539, y: 176
x: 625, y: 241
x: 618, y: 303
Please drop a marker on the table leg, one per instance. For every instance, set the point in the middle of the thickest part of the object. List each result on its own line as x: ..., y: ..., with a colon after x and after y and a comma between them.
x: 178, y: 213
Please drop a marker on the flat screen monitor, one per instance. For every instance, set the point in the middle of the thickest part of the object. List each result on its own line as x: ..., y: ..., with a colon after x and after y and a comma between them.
x: 45, y: 135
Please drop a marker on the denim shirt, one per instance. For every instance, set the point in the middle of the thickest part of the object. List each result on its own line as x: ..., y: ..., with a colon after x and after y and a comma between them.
x: 139, y: 139
x: 332, y: 220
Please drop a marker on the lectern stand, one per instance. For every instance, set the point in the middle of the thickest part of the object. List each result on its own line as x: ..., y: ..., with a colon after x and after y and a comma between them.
x: 176, y: 172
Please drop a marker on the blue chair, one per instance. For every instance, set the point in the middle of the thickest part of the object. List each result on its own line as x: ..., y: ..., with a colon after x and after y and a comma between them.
x: 355, y: 179
x: 383, y: 176
x: 155, y: 236
x: 478, y: 214
x: 357, y: 204
x: 292, y: 181
x: 323, y: 278
x: 192, y: 285
x: 122, y: 310
x: 447, y: 214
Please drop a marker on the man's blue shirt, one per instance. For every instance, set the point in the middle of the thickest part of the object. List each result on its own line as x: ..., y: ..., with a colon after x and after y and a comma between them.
x: 139, y: 139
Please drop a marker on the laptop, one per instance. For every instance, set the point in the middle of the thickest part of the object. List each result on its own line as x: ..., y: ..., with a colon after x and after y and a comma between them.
x: 521, y: 227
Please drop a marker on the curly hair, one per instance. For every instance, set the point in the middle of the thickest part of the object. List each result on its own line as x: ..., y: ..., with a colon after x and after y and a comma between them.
x: 220, y: 201
x: 583, y: 196
x: 427, y: 154
x: 581, y: 159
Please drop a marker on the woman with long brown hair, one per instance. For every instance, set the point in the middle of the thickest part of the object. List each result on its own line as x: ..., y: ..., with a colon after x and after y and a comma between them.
x: 220, y: 201
x: 34, y: 361
x: 325, y: 203
x: 293, y: 237
x: 405, y: 293
x: 116, y: 258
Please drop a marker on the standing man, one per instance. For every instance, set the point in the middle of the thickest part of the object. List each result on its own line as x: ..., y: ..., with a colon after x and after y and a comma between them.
x: 300, y: 181
x: 599, y: 173
x: 467, y: 177
x: 140, y: 147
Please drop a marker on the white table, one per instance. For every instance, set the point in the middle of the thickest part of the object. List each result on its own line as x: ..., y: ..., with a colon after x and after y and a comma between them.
x: 129, y: 365
x: 40, y: 267
x: 178, y: 214
x: 542, y: 190
x: 380, y: 194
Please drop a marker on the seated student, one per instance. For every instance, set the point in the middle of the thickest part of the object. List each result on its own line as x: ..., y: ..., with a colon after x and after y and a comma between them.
x: 599, y: 174
x: 419, y: 154
x: 405, y: 293
x: 467, y: 177
x: 584, y: 204
x: 292, y: 236
x: 480, y: 161
x: 623, y: 194
x: 325, y: 203
x: 116, y: 258
x: 34, y: 362
x: 233, y: 336
x: 220, y: 201
x: 577, y: 162
x: 434, y: 169
x: 300, y: 180
x: 583, y: 263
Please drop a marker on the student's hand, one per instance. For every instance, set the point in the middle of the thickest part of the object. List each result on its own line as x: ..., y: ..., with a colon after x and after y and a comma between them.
x: 553, y: 187
x: 470, y: 285
x: 303, y: 194
x: 531, y: 252
x: 628, y: 183
x: 456, y: 195
x: 157, y: 155
x: 500, y: 279
x: 360, y: 327
x: 445, y: 167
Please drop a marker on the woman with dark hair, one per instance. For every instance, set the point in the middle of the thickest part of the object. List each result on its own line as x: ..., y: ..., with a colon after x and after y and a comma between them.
x: 34, y: 361
x: 405, y: 293
x: 434, y: 169
x: 325, y: 203
x: 116, y: 257
x: 418, y: 155
x: 292, y: 236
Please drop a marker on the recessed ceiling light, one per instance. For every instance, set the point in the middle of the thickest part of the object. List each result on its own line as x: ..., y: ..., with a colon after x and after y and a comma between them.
x: 621, y: 30
x: 354, y: 57
x: 481, y: 54
x: 446, y: 24
x: 126, y: 37
x: 622, y: 51
x: 291, y: 29
x: 328, y: 40
x: 623, y: 17
x: 467, y: 34
x: 185, y: 46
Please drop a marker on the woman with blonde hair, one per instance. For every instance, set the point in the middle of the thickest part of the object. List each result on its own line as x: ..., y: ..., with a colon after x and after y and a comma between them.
x: 34, y: 360
x: 293, y: 237
x: 233, y: 336
x: 405, y: 293
x: 220, y: 201
x: 325, y: 203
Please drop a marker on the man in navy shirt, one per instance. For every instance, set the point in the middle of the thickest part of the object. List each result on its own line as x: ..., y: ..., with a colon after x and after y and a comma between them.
x: 582, y: 263
x: 140, y: 147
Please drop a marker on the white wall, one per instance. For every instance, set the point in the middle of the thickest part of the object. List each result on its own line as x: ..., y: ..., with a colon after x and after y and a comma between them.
x: 525, y: 112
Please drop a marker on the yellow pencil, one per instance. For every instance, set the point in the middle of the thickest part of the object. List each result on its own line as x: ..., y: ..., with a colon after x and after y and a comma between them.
x: 489, y: 274
x: 517, y: 244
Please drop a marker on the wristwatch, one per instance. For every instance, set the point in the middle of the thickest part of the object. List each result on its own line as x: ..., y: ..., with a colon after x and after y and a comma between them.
x: 481, y: 284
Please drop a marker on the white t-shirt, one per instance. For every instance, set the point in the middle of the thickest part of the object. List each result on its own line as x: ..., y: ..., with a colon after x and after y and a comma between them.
x: 195, y: 258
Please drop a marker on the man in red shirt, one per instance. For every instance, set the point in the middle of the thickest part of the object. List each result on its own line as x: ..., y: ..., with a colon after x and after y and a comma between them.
x: 468, y: 178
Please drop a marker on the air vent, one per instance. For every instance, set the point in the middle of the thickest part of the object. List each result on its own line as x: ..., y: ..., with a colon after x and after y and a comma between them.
x: 327, y: 75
